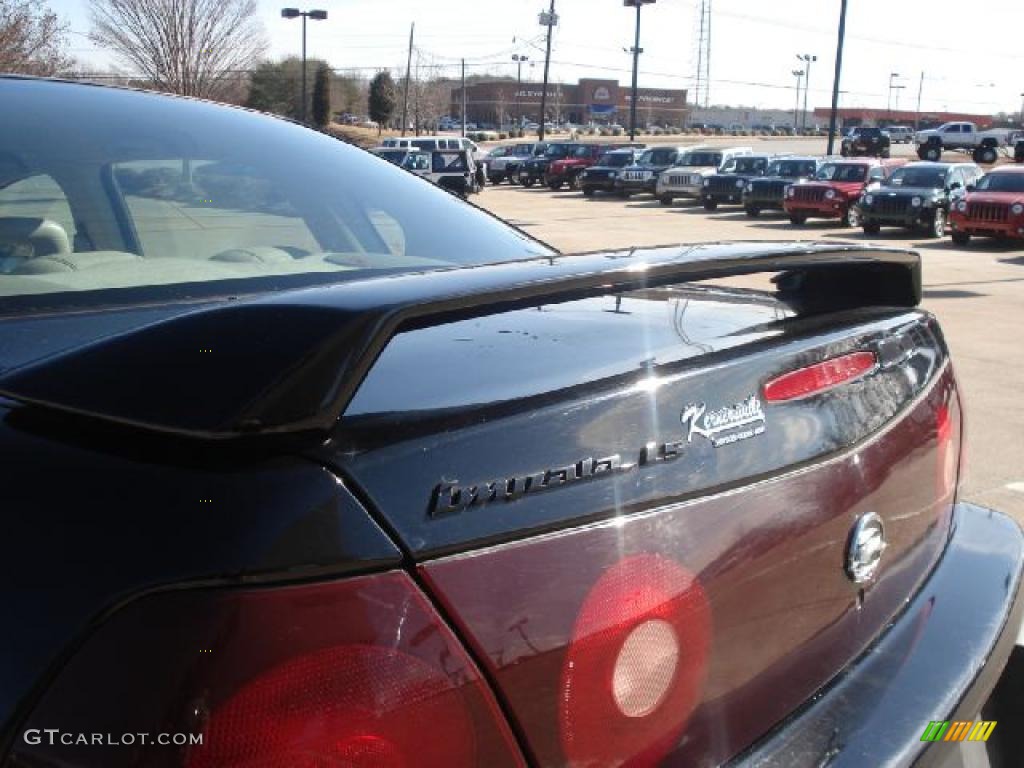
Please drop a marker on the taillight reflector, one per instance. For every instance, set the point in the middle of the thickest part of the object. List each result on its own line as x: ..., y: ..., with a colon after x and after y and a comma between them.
x: 635, y: 668
x: 819, y: 377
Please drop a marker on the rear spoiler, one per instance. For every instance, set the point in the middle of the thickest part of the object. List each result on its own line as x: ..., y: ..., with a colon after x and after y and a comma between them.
x: 290, y: 362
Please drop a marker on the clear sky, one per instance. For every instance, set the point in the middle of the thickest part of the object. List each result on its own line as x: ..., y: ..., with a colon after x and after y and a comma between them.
x: 971, y: 61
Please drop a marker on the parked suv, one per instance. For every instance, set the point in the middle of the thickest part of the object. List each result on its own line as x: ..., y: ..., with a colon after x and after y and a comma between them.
x: 992, y: 208
x: 601, y: 176
x: 643, y: 175
x: 865, y: 142
x: 566, y: 170
x: 916, y: 196
x: 836, y: 189
x: 900, y: 134
x: 769, y: 191
x: 726, y: 186
x: 686, y: 177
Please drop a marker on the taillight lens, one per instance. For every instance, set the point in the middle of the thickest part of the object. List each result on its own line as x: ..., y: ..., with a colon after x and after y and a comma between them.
x: 361, y: 672
x: 635, y: 667
x: 819, y: 377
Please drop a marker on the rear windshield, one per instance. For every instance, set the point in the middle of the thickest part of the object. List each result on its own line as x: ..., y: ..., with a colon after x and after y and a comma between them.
x: 791, y: 169
x: 132, y: 197
x: 842, y: 172
x: 1002, y: 182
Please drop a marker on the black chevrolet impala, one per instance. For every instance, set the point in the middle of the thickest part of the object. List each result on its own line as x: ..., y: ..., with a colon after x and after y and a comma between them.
x: 307, y: 463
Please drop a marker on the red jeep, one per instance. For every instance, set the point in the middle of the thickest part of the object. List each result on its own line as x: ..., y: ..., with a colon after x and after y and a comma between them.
x: 994, y: 208
x: 835, y: 190
x: 567, y: 170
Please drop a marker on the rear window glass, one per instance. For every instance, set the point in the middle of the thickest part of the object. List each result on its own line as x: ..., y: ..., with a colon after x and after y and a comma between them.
x: 143, y: 198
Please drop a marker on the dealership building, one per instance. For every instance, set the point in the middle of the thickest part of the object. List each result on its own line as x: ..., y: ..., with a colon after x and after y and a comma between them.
x: 598, y: 101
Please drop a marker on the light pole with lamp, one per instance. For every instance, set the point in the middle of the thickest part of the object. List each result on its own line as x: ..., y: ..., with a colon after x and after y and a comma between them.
x: 519, y: 59
x: 808, y: 59
x: 636, y: 50
x: 798, y: 74
x: 293, y: 13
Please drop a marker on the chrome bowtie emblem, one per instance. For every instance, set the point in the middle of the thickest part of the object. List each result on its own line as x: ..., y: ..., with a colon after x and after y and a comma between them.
x: 865, y: 547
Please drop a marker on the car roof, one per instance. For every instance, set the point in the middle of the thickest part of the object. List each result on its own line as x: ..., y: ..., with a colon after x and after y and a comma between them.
x: 1008, y: 169
x: 932, y: 164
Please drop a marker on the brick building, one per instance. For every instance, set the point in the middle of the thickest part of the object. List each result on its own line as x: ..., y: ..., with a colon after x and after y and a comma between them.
x: 590, y: 100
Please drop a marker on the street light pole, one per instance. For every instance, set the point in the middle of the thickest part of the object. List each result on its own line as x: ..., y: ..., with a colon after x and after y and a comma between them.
x: 519, y: 59
x: 293, y: 13
x: 808, y: 59
x: 798, y: 74
x: 888, y: 105
x: 834, y: 113
x: 637, y: 50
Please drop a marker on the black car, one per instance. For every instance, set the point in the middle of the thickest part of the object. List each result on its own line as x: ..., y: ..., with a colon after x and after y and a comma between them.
x: 726, y: 187
x: 768, y: 192
x: 308, y: 463
x: 917, y: 196
x: 1018, y: 151
x: 602, y: 176
x: 642, y: 176
x: 534, y: 169
x: 866, y: 142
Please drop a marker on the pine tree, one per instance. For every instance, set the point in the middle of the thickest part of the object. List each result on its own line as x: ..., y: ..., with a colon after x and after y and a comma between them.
x: 383, y: 99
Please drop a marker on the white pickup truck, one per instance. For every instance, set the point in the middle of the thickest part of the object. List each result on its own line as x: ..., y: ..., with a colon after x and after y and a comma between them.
x: 984, y: 146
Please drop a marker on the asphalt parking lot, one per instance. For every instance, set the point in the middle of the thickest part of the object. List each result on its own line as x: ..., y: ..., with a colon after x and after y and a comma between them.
x: 977, y: 292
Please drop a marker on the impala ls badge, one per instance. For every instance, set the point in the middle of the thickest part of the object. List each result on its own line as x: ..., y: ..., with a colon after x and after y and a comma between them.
x: 865, y: 547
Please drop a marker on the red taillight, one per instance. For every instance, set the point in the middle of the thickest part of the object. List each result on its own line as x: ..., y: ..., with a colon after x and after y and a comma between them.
x: 819, y: 377
x: 361, y: 672
x: 635, y: 667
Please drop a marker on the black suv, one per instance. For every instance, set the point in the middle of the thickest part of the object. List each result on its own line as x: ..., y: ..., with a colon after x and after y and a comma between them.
x: 769, y: 192
x: 918, y: 195
x: 602, y: 177
x: 866, y: 142
x: 726, y: 186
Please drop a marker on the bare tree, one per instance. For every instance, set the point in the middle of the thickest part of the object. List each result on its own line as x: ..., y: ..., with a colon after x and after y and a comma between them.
x: 189, y: 47
x: 32, y: 39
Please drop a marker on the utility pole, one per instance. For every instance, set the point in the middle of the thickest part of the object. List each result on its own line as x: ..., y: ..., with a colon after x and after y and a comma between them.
x: 408, y: 68
x: 548, y: 20
x: 834, y: 114
x: 917, y: 114
x: 637, y: 50
x: 463, y: 98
